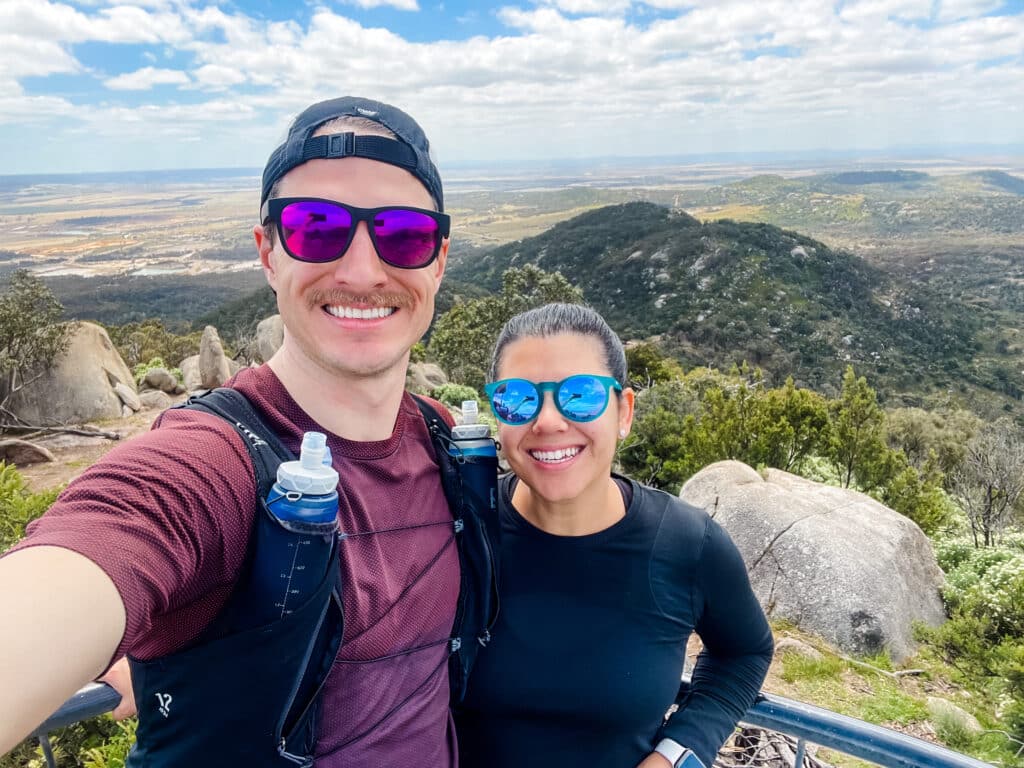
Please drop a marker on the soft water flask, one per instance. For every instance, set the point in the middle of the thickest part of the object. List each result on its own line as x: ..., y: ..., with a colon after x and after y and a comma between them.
x: 292, y: 560
x: 473, y: 445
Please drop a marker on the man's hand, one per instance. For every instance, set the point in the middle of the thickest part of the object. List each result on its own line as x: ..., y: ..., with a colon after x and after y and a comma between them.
x: 655, y: 760
x: 119, y: 677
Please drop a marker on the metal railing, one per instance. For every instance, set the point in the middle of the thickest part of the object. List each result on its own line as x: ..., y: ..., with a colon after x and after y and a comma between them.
x: 805, y: 722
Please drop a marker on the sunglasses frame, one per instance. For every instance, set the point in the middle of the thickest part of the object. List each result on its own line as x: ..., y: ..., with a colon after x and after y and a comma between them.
x: 274, y: 207
x: 540, y: 387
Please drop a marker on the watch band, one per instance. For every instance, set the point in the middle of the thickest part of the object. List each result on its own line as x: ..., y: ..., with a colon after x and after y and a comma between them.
x: 671, y: 750
x: 677, y: 754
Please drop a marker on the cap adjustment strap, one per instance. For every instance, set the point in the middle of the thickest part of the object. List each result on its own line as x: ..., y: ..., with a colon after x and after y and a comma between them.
x: 349, y: 144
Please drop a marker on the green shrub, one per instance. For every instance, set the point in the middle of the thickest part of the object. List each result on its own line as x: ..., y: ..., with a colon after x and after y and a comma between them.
x: 95, y: 743
x: 18, y: 505
x: 114, y: 752
x: 453, y: 394
x: 952, y: 731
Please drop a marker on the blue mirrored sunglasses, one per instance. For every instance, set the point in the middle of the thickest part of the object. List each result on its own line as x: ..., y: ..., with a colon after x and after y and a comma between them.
x: 579, y: 398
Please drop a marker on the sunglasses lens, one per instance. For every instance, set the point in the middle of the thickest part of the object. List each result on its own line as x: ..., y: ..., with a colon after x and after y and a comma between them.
x: 582, y: 398
x: 314, y: 230
x: 515, y: 401
x: 405, y: 238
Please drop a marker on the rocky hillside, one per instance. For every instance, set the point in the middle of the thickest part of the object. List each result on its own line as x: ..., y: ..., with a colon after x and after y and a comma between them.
x: 723, y: 292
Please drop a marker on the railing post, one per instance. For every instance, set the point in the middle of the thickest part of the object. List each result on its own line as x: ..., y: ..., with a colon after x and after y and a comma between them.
x: 44, y: 743
x: 801, y: 747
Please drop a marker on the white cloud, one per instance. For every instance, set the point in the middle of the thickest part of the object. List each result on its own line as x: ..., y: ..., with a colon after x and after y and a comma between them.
x: 218, y: 77
x: 145, y: 78
x: 566, y: 77
x: 598, y: 7
x: 43, y: 20
x: 953, y: 10
x: 25, y: 56
x: 402, y: 5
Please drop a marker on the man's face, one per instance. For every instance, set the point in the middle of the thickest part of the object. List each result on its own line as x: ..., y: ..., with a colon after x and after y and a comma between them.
x: 355, y: 316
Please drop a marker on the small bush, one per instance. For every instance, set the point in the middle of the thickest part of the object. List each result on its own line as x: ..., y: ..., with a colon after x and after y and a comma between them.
x: 114, y: 752
x: 952, y: 731
x: 453, y: 395
x: 18, y: 505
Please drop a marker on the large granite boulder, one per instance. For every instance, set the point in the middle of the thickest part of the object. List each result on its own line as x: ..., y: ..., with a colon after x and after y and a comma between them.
x: 80, y: 386
x: 423, y: 377
x: 21, y: 453
x: 161, y: 380
x: 833, y: 561
x: 190, y: 376
x: 269, y: 337
x: 214, y: 369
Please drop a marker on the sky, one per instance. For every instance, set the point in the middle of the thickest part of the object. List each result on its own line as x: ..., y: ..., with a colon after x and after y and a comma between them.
x: 95, y: 85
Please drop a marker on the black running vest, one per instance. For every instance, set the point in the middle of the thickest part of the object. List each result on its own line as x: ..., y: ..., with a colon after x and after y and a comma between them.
x: 249, y: 696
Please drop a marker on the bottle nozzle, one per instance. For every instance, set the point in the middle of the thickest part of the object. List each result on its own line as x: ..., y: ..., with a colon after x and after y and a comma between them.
x: 314, y: 447
x: 469, y: 412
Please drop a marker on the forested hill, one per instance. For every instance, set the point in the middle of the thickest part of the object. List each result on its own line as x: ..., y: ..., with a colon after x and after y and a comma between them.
x: 723, y: 292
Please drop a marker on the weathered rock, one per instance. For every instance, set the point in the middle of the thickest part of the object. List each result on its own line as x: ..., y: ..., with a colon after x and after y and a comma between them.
x: 833, y: 561
x: 22, y: 453
x: 423, y: 377
x: 161, y: 379
x: 269, y: 336
x: 128, y: 396
x: 792, y: 645
x: 79, y: 386
x: 155, y: 399
x: 943, y: 709
x: 190, y: 375
x: 213, y: 363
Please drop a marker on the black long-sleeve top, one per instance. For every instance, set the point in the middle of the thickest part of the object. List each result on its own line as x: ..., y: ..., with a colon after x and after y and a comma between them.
x: 589, y: 646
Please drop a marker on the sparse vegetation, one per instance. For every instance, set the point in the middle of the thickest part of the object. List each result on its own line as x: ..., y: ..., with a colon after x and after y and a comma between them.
x: 31, y: 333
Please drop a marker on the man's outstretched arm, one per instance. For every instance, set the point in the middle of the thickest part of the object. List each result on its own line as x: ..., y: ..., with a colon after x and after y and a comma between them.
x: 62, y: 620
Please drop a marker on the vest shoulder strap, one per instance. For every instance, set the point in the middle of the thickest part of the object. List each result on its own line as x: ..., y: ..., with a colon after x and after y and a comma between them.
x: 441, y: 437
x: 265, y: 449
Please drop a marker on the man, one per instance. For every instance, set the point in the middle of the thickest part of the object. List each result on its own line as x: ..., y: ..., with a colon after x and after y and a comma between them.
x: 141, y: 554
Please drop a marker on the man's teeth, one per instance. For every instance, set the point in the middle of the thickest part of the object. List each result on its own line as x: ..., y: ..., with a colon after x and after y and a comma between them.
x: 562, y: 454
x: 372, y: 313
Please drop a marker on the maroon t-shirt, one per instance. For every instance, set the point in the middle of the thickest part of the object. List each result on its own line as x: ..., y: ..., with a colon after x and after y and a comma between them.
x: 168, y: 514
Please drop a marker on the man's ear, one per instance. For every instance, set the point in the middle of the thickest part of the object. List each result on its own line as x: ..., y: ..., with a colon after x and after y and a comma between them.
x: 440, y: 263
x: 265, y: 248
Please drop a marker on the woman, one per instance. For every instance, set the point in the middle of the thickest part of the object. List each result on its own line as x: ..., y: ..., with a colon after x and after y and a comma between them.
x: 602, y: 579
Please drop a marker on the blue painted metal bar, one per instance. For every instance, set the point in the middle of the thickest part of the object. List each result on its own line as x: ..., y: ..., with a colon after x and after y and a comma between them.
x: 857, y: 738
x: 92, y: 700
x: 823, y: 727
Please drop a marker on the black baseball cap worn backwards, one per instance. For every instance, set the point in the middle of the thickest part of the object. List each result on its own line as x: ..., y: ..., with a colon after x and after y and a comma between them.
x: 411, y: 150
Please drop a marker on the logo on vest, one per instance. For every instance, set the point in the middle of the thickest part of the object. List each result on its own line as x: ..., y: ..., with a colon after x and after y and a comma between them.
x: 164, y: 703
x: 252, y: 436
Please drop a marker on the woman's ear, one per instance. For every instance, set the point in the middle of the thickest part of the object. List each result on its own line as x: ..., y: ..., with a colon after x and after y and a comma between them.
x: 627, y: 404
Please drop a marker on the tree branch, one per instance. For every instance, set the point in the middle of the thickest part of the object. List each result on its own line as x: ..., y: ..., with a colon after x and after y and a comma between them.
x: 80, y: 429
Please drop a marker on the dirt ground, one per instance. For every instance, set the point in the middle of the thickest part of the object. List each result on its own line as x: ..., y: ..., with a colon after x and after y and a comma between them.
x: 73, y: 454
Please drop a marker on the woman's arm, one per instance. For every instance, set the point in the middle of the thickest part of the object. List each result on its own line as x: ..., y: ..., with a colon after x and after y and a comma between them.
x: 737, y: 651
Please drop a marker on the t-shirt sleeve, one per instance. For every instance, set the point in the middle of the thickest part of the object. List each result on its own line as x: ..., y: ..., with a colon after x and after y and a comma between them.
x: 167, y: 517
x: 737, y: 649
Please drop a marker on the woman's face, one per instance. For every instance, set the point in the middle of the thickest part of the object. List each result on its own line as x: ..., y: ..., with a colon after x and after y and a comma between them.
x: 557, y: 458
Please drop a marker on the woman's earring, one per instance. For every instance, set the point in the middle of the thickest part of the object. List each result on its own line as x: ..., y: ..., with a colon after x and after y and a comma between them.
x: 622, y: 433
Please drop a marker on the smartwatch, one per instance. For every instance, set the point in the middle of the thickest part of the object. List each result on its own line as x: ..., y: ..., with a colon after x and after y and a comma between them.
x: 678, y: 755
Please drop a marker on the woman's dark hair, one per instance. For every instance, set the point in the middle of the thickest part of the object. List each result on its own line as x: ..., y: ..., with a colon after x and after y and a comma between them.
x: 555, y: 319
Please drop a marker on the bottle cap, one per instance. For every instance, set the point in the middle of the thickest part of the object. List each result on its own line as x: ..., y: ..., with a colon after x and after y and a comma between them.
x: 469, y: 412
x: 310, y: 474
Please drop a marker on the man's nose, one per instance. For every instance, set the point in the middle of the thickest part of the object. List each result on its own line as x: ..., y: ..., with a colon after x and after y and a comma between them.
x: 360, y: 265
